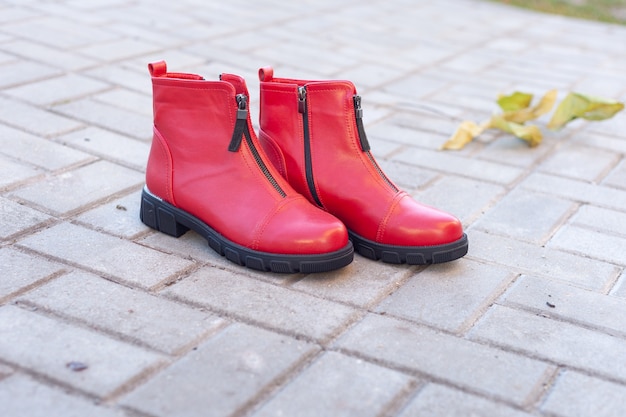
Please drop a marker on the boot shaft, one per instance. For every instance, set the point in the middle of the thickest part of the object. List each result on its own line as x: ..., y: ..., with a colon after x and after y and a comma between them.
x: 317, y: 128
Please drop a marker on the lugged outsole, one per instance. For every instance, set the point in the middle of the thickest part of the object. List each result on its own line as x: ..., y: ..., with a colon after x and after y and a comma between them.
x: 166, y: 218
x: 412, y: 255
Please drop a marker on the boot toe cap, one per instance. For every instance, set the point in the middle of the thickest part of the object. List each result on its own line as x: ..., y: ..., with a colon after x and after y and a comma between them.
x: 304, y: 231
x: 415, y: 224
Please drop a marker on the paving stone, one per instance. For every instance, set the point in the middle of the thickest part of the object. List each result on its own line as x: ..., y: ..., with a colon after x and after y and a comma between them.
x: 620, y: 288
x: 602, y: 220
x: 117, y: 49
x: 465, y: 198
x: 129, y: 100
x: 271, y: 305
x: 343, y: 386
x: 109, y: 145
x: 509, y: 150
x: 527, y: 216
x: 563, y: 343
x: 21, y: 395
x: 22, y: 71
x: 576, y: 190
x: 375, y: 281
x: 59, y: 89
x: 132, y: 80
x: 448, y: 296
x: 617, y: 177
x: 71, y: 190
x: 119, y: 217
x: 438, y: 400
x: 599, y: 140
x: 17, y: 217
x: 110, y: 363
x: 447, y: 162
x: 406, y: 176
x: 556, y: 299
x: 127, y: 261
x: 543, y: 261
x: 59, y: 32
x: 416, y: 87
x: 578, y: 395
x: 606, y: 247
x: 20, y: 270
x: 12, y: 172
x: 580, y: 162
x: 221, y: 376
x: 33, y: 119
x: 461, y: 362
x: 143, y: 318
x: 388, y: 130
x: 38, y: 151
x: 122, y: 121
x: 49, y: 55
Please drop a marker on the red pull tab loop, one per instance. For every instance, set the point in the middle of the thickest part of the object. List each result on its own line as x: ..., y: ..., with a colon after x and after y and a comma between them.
x: 157, y: 69
x: 266, y: 74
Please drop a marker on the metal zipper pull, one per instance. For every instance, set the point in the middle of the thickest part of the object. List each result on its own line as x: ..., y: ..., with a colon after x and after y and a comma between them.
x: 240, y: 124
x: 302, y: 99
x: 358, y: 113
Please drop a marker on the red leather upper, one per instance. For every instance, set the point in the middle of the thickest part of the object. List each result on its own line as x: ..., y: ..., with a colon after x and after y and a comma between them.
x: 191, y: 167
x: 347, y: 181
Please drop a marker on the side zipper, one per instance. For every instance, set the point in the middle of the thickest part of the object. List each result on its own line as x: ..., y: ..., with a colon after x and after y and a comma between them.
x: 241, y: 130
x: 308, y: 165
x: 365, y: 146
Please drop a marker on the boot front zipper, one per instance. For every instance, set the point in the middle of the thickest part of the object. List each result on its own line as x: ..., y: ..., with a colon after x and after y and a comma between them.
x: 241, y: 130
x: 308, y: 165
x: 365, y: 146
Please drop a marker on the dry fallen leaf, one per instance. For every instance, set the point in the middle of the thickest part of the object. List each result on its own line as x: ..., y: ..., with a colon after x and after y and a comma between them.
x: 577, y: 105
x: 517, y: 111
x: 465, y: 133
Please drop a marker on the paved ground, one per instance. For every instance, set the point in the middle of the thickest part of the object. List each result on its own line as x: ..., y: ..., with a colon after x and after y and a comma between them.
x: 100, y: 316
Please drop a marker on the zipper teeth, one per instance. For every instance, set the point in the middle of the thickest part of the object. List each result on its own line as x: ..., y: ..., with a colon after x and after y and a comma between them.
x: 380, y: 172
x: 263, y: 167
x: 308, y: 164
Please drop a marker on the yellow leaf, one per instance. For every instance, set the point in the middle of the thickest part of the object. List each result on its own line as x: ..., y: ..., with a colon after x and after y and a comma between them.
x: 530, y: 113
x: 515, y: 101
x: 530, y: 133
x: 464, y: 134
x: 577, y: 105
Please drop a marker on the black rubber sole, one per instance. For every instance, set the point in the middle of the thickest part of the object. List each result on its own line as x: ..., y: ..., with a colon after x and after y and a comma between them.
x: 166, y: 218
x: 412, y: 255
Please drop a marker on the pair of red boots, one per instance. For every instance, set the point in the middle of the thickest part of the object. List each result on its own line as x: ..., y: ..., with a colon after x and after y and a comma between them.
x: 295, y: 199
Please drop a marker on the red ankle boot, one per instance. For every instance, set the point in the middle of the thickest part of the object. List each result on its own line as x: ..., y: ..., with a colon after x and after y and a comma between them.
x: 313, y: 133
x: 207, y: 172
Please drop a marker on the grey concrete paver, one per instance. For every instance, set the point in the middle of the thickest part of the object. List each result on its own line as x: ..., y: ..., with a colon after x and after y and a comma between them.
x: 507, y: 376
x: 601, y: 398
x: 124, y: 260
x: 516, y: 216
x: 566, y: 302
x: 529, y: 258
x: 273, y: 306
x: 121, y: 311
x: 450, y: 297
x: 222, y: 375
x: 109, y: 363
x: 528, y: 323
x: 37, y: 151
x: 18, y: 218
x: 78, y: 187
x: 20, y: 270
x: 328, y: 387
x: 441, y: 401
x: 550, y: 339
x: 21, y: 395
